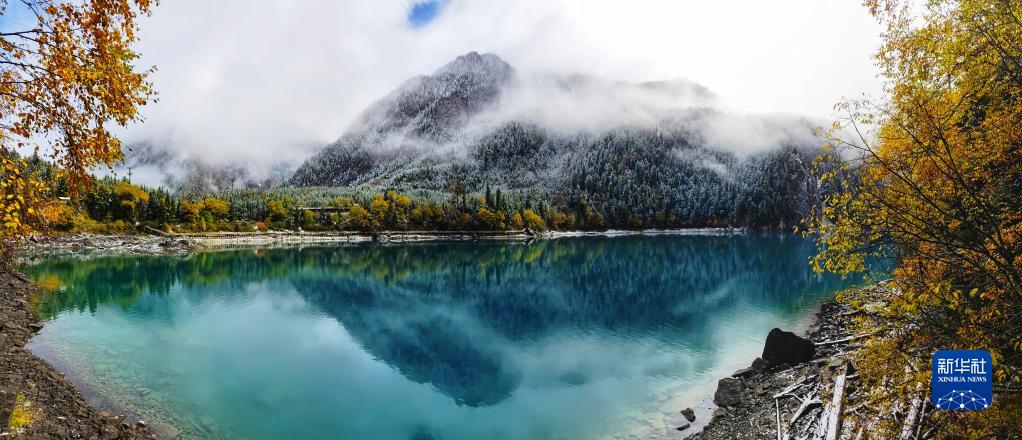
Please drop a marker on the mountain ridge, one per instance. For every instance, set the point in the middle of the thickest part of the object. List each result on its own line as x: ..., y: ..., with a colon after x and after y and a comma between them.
x: 630, y: 152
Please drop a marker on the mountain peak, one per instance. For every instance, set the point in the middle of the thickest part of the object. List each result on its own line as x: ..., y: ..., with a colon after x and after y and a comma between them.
x: 487, y: 65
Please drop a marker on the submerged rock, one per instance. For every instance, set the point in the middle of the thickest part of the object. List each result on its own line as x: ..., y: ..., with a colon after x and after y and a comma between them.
x: 787, y: 348
x: 689, y: 414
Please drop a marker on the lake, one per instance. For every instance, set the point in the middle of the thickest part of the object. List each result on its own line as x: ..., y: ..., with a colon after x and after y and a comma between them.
x: 570, y: 338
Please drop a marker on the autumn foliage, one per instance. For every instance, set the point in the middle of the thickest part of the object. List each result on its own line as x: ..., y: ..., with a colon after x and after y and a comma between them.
x: 63, y: 83
x: 931, y: 182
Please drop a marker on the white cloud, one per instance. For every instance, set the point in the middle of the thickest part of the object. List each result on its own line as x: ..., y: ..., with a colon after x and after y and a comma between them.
x: 260, y: 84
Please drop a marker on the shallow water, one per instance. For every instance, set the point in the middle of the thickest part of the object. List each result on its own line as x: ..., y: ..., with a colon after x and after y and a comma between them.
x: 595, y: 337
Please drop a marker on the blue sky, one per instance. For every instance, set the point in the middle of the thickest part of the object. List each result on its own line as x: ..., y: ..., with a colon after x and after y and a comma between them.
x: 423, y: 12
x: 16, y: 17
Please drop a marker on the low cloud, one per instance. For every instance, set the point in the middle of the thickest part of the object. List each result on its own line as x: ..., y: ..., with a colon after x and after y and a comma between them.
x: 265, y: 86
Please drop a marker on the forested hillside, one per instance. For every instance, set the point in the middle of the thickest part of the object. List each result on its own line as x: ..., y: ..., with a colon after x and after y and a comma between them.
x: 475, y: 146
x: 640, y: 161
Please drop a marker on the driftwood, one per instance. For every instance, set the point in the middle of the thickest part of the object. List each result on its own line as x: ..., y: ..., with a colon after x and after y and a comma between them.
x: 777, y: 414
x: 788, y: 390
x: 811, y: 401
x: 821, y: 426
x: 922, y: 416
x: 908, y: 427
x: 834, y: 422
x: 848, y: 339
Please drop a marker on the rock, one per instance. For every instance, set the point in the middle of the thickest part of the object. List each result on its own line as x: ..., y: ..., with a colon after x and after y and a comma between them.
x: 728, y: 392
x: 6, y: 404
x: 35, y: 327
x: 3, y: 342
x: 719, y: 412
x: 787, y: 348
x: 683, y: 427
x: 140, y: 424
x: 17, y: 315
x: 759, y: 364
x: 744, y: 372
x: 689, y: 414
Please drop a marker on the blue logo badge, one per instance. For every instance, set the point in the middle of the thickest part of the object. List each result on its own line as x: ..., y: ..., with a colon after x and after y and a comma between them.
x: 962, y: 380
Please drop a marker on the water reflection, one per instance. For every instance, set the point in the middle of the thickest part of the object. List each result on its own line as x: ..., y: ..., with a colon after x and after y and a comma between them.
x: 480, y: 323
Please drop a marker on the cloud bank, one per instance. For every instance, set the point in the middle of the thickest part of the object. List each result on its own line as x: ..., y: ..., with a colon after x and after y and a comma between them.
x: 258, y: 86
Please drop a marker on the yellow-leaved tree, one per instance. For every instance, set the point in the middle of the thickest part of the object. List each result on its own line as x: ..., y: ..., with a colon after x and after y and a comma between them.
x: 65, y: 79
x: 932, y: 182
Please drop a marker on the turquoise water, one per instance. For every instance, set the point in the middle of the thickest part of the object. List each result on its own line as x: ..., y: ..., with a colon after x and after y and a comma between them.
x: 573, y: 338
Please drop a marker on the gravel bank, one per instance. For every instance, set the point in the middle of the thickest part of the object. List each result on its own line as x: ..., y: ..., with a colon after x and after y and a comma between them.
x: 183, y: 243
x: 57, y: 409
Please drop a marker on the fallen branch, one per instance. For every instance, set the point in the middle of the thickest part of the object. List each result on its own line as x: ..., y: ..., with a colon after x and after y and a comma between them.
x: 908, y: 427
x: 777, y: 415
x: 848, y: 339
x: 789, y: 389
x: 810, y: 401
x: 834, y: 422
x: 821, y: 426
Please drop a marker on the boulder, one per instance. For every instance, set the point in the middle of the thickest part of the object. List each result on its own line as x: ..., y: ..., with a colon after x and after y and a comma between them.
x: 683, y: 427
x: 689, y: 414
x: 728, y: 393
x: 787, y: 348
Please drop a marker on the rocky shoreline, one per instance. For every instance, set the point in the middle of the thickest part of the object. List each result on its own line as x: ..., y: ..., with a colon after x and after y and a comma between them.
x: 153, y: 244
x: 163, y: 244
x: 793, y: 391
x: 37, y: 393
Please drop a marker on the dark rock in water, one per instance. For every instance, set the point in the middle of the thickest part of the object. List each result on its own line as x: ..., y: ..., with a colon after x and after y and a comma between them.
x: 787, y: 348
x: 728, y: 392
x: 683, y: 427
x: 689, y: 414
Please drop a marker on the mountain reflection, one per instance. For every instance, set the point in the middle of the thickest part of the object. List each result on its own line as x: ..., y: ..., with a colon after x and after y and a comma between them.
x: 452, y: 314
